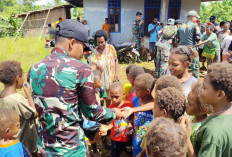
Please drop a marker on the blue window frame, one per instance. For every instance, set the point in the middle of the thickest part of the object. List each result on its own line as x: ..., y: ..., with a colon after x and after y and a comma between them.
x: 174, y: 9
x: 151, y: 10
x: 114, y: 15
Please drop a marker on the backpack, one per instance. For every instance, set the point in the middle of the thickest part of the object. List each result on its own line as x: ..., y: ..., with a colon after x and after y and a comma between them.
x: 169, y: 31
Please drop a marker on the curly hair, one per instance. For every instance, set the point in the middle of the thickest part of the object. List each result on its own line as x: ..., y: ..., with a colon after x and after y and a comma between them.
x: 166, y: 138
x: 101, y: 33
x: 195, y: 90
x: 129, y: 67
x: 185, y: 51
x: 172, y: 100
x: 168, y: 81
x: 7, y: 118
x: 220, y: 75
x: 97, y: 73
x: 145, y: 81
x: 9, y: 70
x: 136, y: 71
x: 117, y: 85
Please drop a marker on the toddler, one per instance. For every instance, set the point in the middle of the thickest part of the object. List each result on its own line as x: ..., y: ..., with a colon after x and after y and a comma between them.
x: 9, y: 145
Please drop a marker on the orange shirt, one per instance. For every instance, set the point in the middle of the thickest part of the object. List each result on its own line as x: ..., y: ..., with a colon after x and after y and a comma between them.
x: 106, y: 27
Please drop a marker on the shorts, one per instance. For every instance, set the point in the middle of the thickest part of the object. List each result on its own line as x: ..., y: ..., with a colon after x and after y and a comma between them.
x: 152, y: 47
x: 225, y: 57
x: 117, y: 147
x: 91, y: 129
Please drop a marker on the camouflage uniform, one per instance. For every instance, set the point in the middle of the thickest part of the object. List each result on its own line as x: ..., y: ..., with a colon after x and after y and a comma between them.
x: 137, y: 31
x: 163, y: 53
x: 195, y: 66
x: 63, y: 90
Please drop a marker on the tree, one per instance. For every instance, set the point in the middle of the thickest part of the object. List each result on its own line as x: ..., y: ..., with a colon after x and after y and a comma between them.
x: 222, y: 10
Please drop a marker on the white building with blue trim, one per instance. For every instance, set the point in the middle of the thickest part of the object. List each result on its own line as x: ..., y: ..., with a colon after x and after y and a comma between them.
x: 121, y: 13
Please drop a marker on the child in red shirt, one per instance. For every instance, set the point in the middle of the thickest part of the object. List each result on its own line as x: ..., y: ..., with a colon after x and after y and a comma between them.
x: 119, y: 136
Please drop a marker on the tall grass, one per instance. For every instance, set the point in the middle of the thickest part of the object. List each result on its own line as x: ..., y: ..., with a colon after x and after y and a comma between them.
x: 28, y: 51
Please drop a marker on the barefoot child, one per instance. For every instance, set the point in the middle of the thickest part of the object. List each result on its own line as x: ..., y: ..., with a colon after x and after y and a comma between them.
x: 165, y: 138
x: 11, y: 75
x: 9, y: 145
x: 179, y: 62
x: 214, y: 137
x: 119, y: 137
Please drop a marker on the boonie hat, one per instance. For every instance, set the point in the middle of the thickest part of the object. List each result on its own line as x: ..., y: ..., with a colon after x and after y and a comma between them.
x: 193, y: 13
x: 138, y: 13
x: 73, y: 29
x: 171, y: 21
x: 212, y: 18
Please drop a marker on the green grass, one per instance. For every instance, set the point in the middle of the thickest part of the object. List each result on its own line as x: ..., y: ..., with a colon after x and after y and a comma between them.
x: 28, y: 51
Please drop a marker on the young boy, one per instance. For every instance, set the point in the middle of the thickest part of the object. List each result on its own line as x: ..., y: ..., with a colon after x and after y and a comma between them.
x: 169, y: 103
x: 11, y: 75
x: 197, y: 110
x: 101, y: 94
x: 9, y: 145
x: 179, y: 62
x: 144, y: 85
x: 165, y: 138
x: 119, y: 136
x: 134, y: 72
x: 214, y: 137
x: 128, y: 86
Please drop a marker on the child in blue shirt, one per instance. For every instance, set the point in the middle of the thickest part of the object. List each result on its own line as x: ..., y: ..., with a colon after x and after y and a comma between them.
x: 144, y: 85
x: 9, y: 145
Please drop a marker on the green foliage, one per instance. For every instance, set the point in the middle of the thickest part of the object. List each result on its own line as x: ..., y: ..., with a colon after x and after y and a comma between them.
x: 222, y: 10
x: 77, y: 12
x: 8, y: 27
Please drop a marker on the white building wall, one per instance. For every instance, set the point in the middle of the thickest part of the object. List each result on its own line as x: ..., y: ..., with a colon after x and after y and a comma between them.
x: 188, y: 5
x: 96, y: 11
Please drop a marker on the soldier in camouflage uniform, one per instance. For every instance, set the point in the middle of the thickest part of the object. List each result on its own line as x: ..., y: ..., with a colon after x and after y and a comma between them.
x: 63, y: 91
x: 137, y: 31
x: 163, y: 50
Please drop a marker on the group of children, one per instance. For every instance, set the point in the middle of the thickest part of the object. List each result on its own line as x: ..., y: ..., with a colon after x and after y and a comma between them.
x: 173, y: 116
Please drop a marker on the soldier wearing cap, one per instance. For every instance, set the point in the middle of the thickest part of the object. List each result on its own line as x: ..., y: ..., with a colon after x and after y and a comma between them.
x: 63, y: 90
x: 137, y: 31
x: 189, y: 35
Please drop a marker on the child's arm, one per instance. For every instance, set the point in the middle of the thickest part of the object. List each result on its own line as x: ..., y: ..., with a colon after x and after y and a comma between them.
x: 186, y: 126
x: 27, y: 90
x: 129, y: 111
x: 142, y: 153
x: 104, y: 129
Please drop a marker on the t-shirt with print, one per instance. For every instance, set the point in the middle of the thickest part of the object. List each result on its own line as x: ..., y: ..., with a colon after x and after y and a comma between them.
x: 119, y: 130
x: 188, y: 33
x: 153, y: 36
x: 141, y: 123
x: 14, y: 149
x: 213, y: 41
x: 18, y: 103
x: 187, y: 85
x: 214, y: 137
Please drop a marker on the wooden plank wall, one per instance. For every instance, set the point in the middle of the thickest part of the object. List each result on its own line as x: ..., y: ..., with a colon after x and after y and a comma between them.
x: 34, y: 23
